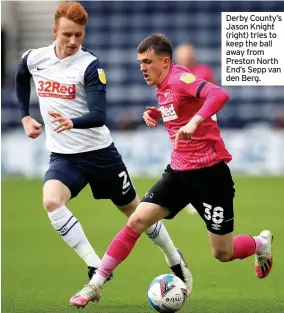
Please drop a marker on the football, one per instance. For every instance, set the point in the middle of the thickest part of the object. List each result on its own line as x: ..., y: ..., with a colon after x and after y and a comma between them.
x: 167, y: 293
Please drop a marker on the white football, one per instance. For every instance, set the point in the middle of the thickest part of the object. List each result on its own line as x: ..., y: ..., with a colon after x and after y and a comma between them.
x: 167, y: 293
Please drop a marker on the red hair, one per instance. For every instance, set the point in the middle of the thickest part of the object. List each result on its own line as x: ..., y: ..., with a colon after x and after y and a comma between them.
x: 73, y: 11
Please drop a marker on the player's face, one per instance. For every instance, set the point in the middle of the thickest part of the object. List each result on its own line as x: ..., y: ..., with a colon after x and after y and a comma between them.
x: 69, y: 36
x: 153, y: 66
x: 185, y: 56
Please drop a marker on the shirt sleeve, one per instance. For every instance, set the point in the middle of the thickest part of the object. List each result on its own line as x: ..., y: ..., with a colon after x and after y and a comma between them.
x: 23, y: 85
x: 95, y: 89
x: 189, y: 85
x: 215, y: 97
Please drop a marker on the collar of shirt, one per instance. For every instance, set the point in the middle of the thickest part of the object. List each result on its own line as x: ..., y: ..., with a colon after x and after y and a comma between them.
x: 65, y: 61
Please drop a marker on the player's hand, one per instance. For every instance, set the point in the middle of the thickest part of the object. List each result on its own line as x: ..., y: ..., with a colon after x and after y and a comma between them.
x: 64, y: 122
x: 151, y: 116
x: 31, y: 126
x: 186, y: 131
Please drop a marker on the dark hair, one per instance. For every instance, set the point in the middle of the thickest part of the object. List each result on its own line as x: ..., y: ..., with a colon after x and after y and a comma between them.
x: 159, y: 43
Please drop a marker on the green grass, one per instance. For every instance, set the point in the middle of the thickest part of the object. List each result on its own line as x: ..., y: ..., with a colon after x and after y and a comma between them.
x: 40, y: 272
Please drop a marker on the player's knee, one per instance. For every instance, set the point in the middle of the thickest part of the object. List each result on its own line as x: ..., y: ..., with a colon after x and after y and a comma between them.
x: 222, y: 255
x: 137, y: 223
x: 51, y: 203
x: 129, y: 209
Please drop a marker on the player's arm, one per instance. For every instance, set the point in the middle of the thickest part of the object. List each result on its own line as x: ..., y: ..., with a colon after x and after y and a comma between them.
x: 215, y: 99
x: 23, y: 86
x: 95, y: 89
x: 23, y: 91
x: 151, y: 116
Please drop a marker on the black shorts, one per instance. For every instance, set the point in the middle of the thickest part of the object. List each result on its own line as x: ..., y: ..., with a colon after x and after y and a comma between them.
x: 210, y: 190
x: 104, y: 170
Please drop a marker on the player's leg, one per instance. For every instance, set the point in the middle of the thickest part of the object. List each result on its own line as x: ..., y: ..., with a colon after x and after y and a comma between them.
x: 128, y: 202
x: 146, y: 214
x: 227, y: 248
x: 165, y: 199
x: 62, y: 182
x: 123, y: 195
x: 161, y: 238
x: 112, y: 181
x: 157, y: 233
x: 217, y: 211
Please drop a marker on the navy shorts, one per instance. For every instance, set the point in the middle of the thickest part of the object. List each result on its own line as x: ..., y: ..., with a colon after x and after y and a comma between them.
x: 104, y: 170
x: 210, y: 190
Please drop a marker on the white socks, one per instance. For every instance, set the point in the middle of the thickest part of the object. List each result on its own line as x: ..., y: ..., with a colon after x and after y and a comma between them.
x: 264, y: 244
x: 71, y: 231
x: 159, y: 235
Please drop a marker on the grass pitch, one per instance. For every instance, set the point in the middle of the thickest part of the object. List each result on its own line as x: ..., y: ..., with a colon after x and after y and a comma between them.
x: 40, y: 272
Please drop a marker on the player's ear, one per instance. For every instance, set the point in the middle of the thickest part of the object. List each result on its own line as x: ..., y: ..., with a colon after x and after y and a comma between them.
x: 166, y: 61
x: 54, y: 30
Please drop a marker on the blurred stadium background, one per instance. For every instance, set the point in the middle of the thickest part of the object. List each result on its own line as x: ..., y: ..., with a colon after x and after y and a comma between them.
x: 114, y: 30
x: 37, y: 268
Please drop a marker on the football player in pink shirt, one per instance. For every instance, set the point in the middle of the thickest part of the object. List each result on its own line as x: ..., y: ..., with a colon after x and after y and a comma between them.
x: 185, y: 55
x: 198, y: 172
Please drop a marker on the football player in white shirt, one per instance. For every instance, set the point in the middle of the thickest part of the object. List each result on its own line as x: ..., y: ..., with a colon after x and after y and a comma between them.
x: 71, y: 87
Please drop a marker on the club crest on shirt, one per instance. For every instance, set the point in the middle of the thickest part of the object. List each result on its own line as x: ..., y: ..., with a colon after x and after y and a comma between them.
x: 187, y: 78
x: 102, y: 75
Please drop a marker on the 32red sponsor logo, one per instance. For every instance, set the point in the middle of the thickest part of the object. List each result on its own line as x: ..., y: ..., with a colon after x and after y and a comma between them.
x: 56, y: 90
